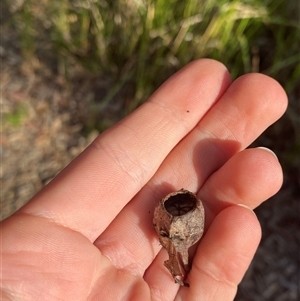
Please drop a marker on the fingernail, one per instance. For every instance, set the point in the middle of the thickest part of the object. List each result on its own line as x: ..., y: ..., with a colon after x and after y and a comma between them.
x: 268, y: 150
x: 245, y: 206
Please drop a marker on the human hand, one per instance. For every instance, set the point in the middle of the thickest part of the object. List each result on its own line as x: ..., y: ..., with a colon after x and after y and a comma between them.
x: 88, y: 234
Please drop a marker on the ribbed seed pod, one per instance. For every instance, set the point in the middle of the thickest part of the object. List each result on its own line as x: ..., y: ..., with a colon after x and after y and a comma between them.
x: 179, y: 222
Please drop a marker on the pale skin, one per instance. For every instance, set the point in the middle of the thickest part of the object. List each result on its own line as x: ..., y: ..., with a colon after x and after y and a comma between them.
x: 88, y: 234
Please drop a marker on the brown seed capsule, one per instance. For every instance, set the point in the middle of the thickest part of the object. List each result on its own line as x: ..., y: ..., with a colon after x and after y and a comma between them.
x: 179, y: 223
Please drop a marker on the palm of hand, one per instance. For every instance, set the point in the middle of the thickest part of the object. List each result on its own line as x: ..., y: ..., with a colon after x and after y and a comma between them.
x: 88, y: 235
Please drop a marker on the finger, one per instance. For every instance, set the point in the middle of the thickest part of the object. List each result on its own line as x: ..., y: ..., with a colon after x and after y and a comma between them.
x: 115, y: 167
x: 245, y: 110
x: 191, y: 162
x: 223, y: 256
x: 249, y: 177
x: 161, y: 283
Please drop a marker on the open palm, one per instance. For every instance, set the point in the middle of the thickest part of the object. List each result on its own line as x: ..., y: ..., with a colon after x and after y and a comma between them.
x: 88, y: 234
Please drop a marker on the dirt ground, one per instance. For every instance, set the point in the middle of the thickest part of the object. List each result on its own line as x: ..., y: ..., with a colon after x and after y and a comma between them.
x: 41, y: 133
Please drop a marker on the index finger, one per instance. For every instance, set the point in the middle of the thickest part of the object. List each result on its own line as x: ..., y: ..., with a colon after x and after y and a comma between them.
x: 91, y: 191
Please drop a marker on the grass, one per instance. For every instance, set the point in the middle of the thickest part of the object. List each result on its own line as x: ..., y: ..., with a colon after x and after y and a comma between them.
x: 17, y: 116
x: 143, y: 39
x: 141, y: 43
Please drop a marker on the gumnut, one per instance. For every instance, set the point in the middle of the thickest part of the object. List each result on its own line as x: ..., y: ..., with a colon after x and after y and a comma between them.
x: 179, y: 222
